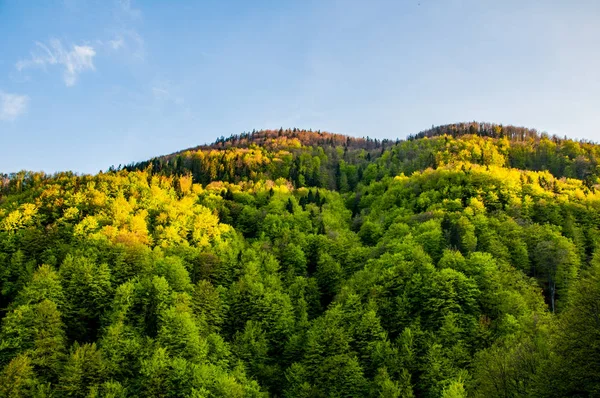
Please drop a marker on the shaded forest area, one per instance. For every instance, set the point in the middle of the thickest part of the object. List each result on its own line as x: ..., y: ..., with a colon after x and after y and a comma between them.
x: 463, y: 261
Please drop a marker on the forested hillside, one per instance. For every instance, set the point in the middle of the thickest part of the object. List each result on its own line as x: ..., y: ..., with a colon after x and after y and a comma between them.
x: 463, y: 261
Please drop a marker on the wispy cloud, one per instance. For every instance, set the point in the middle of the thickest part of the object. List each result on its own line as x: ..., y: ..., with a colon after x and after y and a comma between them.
x: 74, y: 61
x: 126, y: 8
x: 160, y: 93
x: 116, y: 43
x: 166, y: 92
x: 12, y: 105
x: 126, y: 38
x: 129, y: 41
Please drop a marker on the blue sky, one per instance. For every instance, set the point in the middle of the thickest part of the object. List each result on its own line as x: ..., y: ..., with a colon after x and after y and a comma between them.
x: 85, y: 84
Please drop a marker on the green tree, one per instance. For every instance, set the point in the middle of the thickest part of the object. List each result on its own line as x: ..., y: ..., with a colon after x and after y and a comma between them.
x: 576, y: 371
x: 208, y: 305
x: 37, y: 331
x: 84, y: 370
x: 18, y: 379
x: 88, y: 290
x: 45, y: 284
x: 557, y: 263
x: 329, y: 277
x: 180, y: 335
x: 15, y: 274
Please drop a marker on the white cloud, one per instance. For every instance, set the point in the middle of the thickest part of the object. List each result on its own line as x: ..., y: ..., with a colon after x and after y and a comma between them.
x: 127, y: 41
x: 12, y: 105
x: 160, y: 93
x: 75, y: 61
x: 165, y: 92
x: 116, y: 43
x: 169, y: 97
x: 125, y: 8
x: 136, y: 44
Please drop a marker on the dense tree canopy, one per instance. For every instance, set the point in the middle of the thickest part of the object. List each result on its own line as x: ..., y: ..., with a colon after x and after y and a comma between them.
x: 463, y: 261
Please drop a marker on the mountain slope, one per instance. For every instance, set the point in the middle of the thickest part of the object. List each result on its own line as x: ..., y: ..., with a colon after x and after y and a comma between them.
x: 463, y: 261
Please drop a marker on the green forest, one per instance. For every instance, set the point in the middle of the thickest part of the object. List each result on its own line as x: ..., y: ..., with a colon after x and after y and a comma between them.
x: 462, y: 261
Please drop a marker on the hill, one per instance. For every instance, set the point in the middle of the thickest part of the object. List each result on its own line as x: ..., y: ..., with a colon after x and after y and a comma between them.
x: 461, y: 261
x: 321, y: 159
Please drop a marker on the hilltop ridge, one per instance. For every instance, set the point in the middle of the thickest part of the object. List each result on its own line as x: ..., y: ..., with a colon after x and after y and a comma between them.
x: 323, y: 159
x: 308, y: 137
x: 338, y: 162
